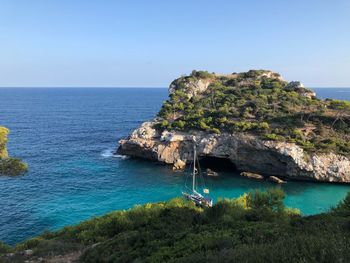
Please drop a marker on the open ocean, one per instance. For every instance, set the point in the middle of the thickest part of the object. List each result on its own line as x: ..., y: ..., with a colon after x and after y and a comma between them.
x: 67, y: 137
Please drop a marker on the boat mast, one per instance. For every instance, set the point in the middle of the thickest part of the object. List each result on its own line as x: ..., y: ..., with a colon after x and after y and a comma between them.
x: 194, y: 164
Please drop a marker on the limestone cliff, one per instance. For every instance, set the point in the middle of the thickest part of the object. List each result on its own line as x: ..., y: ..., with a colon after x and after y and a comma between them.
x: 248, y: 150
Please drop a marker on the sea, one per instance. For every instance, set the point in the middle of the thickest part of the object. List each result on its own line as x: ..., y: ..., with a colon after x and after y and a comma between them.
x: 68, y: 136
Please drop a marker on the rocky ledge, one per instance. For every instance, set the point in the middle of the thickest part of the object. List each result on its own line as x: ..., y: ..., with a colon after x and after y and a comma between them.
x: 246, y: 150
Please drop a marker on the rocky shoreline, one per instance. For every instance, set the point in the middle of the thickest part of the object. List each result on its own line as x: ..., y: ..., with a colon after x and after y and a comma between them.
x: 245, y: 151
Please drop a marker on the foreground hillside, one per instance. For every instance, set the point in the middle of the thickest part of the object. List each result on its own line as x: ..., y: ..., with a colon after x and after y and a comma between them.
x: 256, y: 120
x: 256, y: 227
x: 8, y: 165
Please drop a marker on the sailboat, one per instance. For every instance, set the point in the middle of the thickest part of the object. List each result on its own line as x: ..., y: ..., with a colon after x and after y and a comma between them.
x: 193, y: 195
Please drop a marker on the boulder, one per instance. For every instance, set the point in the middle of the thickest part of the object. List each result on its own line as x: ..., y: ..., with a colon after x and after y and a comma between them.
x: 294, y: 85
x: 252, y: 175
x: 146, y: 131
x: 276, y: 180
x: 28, y: 252
x: 210, y: 172
x: 193, y: 88
x: 298, y: 87
x: 179, y: 165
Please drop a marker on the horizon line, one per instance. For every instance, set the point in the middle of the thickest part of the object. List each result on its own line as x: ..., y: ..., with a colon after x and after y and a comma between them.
x: 127, y: 87
x: 81, y: 87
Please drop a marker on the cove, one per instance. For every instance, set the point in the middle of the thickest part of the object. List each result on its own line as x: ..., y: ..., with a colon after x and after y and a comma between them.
x: 67, y: 137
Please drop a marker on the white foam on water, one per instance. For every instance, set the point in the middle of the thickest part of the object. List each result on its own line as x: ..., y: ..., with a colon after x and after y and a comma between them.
x: 120, y: 156
x: 107, y: 153
x: 110, y: 153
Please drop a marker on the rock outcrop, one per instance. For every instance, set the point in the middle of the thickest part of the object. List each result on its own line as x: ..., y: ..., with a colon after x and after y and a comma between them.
x: 252, y: 175
x: 248, y: 151
x: 276, y: 180
x: 245, y: 151
x: 298, y: 87
x: 210, y: 172
x: 179, y: 165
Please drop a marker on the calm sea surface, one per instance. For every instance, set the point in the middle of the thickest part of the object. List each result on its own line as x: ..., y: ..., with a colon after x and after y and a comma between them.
x: 67, y: 137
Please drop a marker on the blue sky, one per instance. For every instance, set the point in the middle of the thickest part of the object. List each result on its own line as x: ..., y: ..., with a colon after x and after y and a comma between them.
x: 149, y: 43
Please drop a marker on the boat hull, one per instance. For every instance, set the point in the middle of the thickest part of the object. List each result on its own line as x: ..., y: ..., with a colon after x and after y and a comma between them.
x: 198, y: 199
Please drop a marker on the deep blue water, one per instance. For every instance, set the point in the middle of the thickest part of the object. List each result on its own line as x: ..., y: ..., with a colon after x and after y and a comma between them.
x: 67, y: 135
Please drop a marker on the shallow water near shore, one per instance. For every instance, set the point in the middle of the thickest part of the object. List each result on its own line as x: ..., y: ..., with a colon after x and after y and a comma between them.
x: 67, y: 136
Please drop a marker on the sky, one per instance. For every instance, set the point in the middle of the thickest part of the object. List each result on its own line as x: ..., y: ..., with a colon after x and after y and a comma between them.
x: 101, y: 43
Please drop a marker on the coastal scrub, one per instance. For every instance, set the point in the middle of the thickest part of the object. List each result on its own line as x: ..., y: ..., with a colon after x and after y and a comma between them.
x: 259, y: 102
x: 256, y: 227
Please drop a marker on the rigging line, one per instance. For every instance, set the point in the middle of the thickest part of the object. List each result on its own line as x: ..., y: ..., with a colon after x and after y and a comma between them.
x: 201, y: 176
x: 188, y: 177
x: 186, y: 180
x: 188, y: 173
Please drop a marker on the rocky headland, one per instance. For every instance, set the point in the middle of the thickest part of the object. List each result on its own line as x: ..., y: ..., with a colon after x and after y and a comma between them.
x: 256, y: 120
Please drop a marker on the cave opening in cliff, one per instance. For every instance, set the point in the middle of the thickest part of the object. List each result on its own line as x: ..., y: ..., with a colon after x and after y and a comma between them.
x: 217, y: 164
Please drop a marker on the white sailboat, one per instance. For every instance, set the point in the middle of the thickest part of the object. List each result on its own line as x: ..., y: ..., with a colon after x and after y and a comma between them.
x: 193, y: 195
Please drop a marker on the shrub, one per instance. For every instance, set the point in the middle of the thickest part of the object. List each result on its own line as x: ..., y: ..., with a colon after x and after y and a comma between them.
x: 165, y: 124
x: 201, y: 74
x: 272, y: 199
x: 255, y: 227
x: 179, y: 124
x: 271, y: 136
x: 4, y: 248
x: 215, y: 130
x: 263, y: 126
x: 344, y: 206
x: 12, y: 166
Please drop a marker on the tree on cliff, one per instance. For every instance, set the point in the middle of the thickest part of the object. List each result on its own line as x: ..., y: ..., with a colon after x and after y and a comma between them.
x: 342, y: 110
x: 8, y: 165
x: 3, y: 140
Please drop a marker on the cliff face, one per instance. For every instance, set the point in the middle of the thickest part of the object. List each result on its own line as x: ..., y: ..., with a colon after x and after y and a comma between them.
x: 165, y: 140
x: 246, y: 152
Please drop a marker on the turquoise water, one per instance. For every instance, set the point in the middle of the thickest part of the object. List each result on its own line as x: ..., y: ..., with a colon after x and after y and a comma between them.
x: 67, y: 136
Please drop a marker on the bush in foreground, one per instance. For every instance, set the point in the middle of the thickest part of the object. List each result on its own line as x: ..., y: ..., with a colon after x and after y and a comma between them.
x: 255, y: 227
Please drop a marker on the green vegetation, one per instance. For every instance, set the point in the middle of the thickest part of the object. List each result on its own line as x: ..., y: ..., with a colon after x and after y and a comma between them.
x: 9, y: 166
x: 261, y: 103
x: 12, y: 166
x: 3, y: 140
x: 255, y: 227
